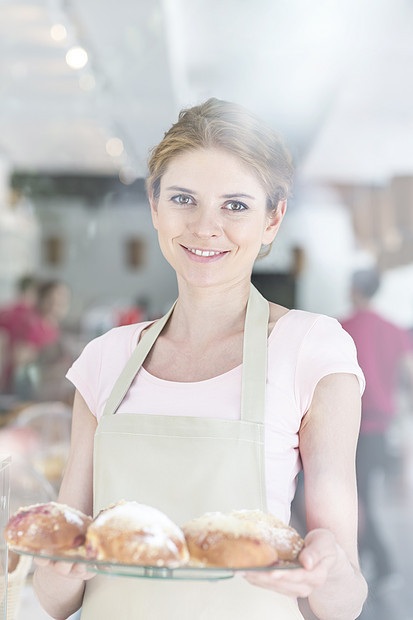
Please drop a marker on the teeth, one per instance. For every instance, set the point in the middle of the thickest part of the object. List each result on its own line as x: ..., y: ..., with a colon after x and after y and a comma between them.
x: 203, y: 253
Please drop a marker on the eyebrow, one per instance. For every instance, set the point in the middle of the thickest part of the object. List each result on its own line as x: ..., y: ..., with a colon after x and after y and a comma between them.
x: 185, y: 190
x: 240, y: 195
x: 176, y: 188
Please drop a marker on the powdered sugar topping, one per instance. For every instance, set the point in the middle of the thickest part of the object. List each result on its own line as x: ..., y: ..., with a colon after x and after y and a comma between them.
x: 245, y: 523
x: 132, y: 515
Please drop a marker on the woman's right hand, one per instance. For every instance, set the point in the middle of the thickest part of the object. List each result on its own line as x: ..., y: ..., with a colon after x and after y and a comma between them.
x: 73, y: 570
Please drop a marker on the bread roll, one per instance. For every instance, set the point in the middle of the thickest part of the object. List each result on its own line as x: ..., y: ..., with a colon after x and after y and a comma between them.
x: 285, y: 538
x: 240, y: 539
x: 132, y: 533
x: 51, y: 528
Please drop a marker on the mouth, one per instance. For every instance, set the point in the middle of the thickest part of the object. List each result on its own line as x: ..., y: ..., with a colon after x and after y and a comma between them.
x: 205, y: 254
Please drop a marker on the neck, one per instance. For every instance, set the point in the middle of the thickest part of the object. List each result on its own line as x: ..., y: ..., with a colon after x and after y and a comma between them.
x: 361, y: 304
x: 203, y: 313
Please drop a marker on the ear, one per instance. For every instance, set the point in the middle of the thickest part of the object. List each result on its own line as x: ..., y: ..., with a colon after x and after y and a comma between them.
x: 274, y: 222
x: 154, y: 210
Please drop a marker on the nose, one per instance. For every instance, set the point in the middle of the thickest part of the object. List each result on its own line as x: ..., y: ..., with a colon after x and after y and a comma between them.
x: 205, y: 223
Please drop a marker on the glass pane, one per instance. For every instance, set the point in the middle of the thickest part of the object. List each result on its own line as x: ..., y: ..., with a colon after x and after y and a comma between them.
x: 4, y: 517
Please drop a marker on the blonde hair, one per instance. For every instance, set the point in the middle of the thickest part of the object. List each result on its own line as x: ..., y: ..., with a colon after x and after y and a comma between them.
x: 229, y: 126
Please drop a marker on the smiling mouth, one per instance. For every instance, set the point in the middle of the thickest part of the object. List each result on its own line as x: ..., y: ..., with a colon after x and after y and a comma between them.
x: 206, y: 253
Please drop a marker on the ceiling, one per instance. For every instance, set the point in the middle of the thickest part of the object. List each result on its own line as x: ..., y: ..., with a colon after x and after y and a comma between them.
x: 334, y: 77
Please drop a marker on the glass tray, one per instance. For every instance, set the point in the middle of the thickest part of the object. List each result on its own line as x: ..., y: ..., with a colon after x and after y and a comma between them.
x: 159, y: 572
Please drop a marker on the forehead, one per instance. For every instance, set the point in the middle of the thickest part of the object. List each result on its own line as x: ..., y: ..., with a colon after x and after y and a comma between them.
x: 212, y: 166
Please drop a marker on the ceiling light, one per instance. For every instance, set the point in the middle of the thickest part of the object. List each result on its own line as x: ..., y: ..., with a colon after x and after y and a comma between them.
x: 114, y: 147
x: 58, y: 32
x: 127, y: 175
x: 76, y: 57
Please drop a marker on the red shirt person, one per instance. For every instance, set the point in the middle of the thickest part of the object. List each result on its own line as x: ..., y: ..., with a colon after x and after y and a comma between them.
x: 15, y: 320
x: 384, y: 351
x: 40, y: 328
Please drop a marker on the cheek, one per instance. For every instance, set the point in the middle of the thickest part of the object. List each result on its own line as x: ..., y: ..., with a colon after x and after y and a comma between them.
x: 251, y: 234
x: 167, y: 229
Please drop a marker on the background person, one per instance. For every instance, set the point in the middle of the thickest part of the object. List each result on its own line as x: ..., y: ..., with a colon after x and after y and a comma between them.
x: 385, y: 354
x: 186, y: 437
x: 39, y: 343
x: 15, y: 320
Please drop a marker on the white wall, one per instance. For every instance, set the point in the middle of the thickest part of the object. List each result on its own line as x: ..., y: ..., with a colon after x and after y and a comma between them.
x: 19, y: 237
x: 394, y: 299
x: 94, y: 260
x: 320, y: 225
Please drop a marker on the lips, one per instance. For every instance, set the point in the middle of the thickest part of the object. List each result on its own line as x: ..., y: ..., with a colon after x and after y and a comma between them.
x: 205, y: 255
x: 204, y: 252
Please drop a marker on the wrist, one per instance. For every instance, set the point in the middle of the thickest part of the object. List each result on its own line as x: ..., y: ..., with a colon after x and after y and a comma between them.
x: 343, y: 594
x: 342, y: 568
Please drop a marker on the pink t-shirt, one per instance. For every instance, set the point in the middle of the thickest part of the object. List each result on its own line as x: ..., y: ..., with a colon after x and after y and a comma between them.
x: 302, y: 348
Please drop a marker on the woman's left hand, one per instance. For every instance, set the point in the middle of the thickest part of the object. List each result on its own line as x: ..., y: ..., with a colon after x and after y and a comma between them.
x: 318, y: 557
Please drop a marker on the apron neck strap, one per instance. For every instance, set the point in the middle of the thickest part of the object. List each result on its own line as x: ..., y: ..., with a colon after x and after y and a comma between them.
x: 254, y: 364
x: 254, y: 368
x: 134, y: 363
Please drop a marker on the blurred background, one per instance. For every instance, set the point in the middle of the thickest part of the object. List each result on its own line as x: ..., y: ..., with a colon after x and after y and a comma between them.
x: 88, y: 87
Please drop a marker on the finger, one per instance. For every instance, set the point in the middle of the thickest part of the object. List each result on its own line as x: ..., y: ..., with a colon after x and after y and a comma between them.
x: 283, y: 584
x: 297, y: 582
x: 279, y: 576
x: 318, y: 545
x: 41, y: 561
x: 308, y: 558
x: 81, y: 571
x: 63, y: 568
x: 89, y: 575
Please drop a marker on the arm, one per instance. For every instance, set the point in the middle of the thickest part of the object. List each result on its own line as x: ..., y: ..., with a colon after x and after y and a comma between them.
x: 60, y: 585
x: 330, y: 576
x: 328, y: 440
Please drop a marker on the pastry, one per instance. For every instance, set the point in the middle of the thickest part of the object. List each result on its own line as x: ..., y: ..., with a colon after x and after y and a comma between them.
x: 285, y: 538
x: 50, y: 528
x: 132, y: 533
x: 240, y: 539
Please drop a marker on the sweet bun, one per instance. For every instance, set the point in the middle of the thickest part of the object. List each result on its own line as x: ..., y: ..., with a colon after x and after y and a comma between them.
x: 132, y: 533
x: 49, y: 528
x: 240, y: 539
x: 285, y: 538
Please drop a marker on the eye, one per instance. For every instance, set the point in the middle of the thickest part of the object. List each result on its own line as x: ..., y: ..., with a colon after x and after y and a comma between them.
x: 182, y: 199
x: 236, y: 206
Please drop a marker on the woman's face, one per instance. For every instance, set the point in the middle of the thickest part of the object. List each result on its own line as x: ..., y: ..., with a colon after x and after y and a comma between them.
x: 211, y: 217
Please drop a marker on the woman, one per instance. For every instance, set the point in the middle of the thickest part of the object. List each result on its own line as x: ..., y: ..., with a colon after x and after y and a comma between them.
x: 215, y: 429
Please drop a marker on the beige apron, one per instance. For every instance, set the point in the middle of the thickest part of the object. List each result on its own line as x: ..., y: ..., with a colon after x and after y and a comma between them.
x: 186, y: 466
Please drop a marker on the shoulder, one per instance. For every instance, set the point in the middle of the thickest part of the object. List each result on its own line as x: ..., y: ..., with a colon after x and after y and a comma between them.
x: 311, y: 341
x: 119, y: 340
x: 324, y: 334
x: 102, y: 359
x: 304, y: 323
x: 318, y: 343
x: 317, y: 346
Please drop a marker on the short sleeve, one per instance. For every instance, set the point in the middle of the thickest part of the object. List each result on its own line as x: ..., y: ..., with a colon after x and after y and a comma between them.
x: 96, y: 370
x: 85, y: 372
x: 326, y: 349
